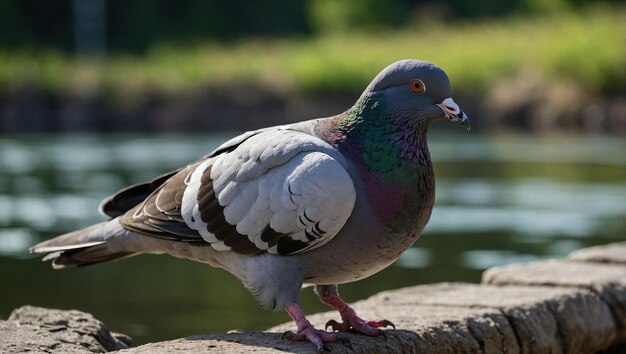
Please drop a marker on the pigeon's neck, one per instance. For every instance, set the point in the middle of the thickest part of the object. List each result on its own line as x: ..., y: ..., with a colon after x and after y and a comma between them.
x: 392, y: 159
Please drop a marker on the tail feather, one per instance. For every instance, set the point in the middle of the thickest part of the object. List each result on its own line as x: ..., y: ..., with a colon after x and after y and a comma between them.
x: 84, y: 247
x: 40, y: 248
x: 87, y: 256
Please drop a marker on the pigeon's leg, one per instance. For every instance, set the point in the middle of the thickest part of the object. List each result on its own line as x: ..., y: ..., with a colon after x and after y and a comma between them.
x: 306, y: 331
x: 329, y: 295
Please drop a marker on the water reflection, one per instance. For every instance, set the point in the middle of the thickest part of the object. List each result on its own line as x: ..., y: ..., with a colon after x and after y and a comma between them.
x: 483, y: 259
x: 415, y: 258
x: 15, y: 240
x: 499, y: 200
x: 533, y: 207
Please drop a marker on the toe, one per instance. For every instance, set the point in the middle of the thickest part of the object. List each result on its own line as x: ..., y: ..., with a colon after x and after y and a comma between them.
x: 381, y: 323
x: 314, y: 338
x: 317, y: 337
x: 364, y: 328
x: 337, y: 326
x: 332, y: 324
x: 288, y: 335
x: 382, y: 333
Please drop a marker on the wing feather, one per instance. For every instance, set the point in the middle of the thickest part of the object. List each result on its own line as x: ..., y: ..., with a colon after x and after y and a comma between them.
x: 276, y: 191
x: 125, y: 199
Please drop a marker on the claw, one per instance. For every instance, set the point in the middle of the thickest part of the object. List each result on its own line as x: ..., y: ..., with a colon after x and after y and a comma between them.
x: 350, y: 320
x: 325, y: 348
x: 381, y: 323
x: 331, y: 324
x: 307, y: 333
x: 337, y: 326
x: 288, y: 335
x: 357, y: 325
x: 382, y: 333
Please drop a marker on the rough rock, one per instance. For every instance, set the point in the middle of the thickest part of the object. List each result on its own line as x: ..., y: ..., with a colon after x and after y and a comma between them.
x: 556, y: 273
x: 577, y: 305
x: 448, y: 318
x: 437, y: 329
x: 544, y: 319
x: 554, y: 306
x: 608, y: 281
x: 36, y: 329
x: 613, y: 253
x: 424, y: 329
x: 248, y: 342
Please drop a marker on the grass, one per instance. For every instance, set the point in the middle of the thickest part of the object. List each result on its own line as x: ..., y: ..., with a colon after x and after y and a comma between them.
x: 582, y: 48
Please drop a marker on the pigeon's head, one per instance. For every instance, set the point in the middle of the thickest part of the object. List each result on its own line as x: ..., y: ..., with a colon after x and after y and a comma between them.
x: 417, y: 91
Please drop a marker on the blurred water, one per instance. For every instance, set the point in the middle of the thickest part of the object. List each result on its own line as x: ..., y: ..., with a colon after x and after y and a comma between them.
x: 500, y: 199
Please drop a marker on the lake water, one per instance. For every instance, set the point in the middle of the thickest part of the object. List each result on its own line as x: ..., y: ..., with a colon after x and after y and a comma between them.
x: 500, y: 199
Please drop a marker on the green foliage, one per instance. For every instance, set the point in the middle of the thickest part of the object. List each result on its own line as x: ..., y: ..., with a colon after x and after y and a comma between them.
x: 138, y: 25
x: 348, y: 15
x: 585, y: 49
x: 546, y: 6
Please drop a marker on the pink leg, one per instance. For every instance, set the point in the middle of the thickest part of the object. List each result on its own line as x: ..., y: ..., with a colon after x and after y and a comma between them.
x: 306, y: 331
x: 328, y: 294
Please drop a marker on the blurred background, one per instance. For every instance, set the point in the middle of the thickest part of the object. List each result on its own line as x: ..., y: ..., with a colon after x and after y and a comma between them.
x: 99, y: 94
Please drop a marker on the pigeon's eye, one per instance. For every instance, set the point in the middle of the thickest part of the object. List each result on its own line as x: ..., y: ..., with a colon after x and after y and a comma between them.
x: 417, y: 86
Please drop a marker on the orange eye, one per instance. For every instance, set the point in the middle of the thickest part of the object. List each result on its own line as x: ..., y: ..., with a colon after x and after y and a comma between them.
x: 417, y: 86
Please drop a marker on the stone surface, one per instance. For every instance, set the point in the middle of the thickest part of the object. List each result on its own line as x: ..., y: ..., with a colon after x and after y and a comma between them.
x: 613, y: 253
x: 556, y: 273
x: 576, y: 305
x: 608, y: 281
x: 425, y: 329
x: 249, y: 342
x: 36, y: 329
x: 450, y: 318
x: 421, y: 329
x: 544, y: 319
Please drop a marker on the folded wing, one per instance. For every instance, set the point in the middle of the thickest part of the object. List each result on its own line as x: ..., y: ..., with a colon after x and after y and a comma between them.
x: 277, y: 191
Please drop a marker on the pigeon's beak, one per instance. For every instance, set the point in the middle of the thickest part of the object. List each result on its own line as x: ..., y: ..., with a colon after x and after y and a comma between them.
x: 453, y: 113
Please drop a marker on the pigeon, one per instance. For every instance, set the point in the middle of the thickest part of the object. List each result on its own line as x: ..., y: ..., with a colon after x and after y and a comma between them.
x: 321, y: 202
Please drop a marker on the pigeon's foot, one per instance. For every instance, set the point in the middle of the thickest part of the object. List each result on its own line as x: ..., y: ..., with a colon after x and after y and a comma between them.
x: 354, y: 322
x: 351, y: 321
x: 307, y: 333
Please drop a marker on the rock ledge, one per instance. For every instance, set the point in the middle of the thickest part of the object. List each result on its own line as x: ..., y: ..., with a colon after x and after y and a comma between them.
x: 573, y: 305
